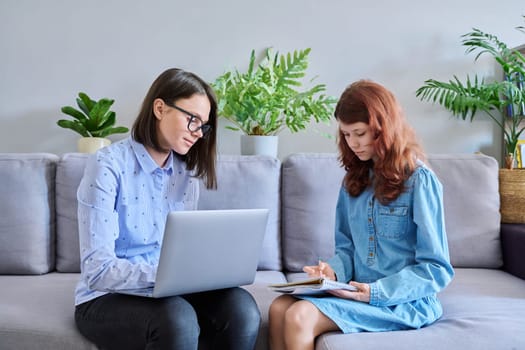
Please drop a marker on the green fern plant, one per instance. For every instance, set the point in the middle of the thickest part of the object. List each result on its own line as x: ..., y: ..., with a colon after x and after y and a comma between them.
x: 92, y: 119
x: 265, y: 100
x: 503, y: 101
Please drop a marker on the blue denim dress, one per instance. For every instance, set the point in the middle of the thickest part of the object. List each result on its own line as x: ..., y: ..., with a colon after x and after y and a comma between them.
x: 400, y: 249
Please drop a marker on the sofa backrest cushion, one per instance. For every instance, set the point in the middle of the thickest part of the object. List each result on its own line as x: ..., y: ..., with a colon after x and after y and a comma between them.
x: 243, y: 182
x: 27, y: 207
x: 70, y: 170
x: 249, y: 182
x: 310, y: 185
x: 471, y: 200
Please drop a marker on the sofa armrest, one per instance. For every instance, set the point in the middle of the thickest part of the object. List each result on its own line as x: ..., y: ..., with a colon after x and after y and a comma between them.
x: 513, y: 246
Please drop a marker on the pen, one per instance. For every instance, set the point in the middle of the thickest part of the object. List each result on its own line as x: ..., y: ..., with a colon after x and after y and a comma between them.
x: 320, y: 267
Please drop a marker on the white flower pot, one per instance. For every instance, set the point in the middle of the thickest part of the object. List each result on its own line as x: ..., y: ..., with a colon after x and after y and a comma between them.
x: 92, y: 144
x: 259, y: 145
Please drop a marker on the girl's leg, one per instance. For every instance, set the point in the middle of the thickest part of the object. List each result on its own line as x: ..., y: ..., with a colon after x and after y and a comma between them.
x: 303, y: 322
x: 276, y: 321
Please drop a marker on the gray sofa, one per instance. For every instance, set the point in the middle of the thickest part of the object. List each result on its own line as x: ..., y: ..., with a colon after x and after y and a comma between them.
x: 484, y: 306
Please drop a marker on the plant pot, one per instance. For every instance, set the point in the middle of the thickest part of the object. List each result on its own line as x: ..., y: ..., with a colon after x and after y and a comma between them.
x: 509, y: 161
x: 512, y: 195
x: 259, y: 145
x: 91, y: 144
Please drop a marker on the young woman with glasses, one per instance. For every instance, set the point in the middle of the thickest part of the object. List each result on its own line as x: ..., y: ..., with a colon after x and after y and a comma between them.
x: 126, y: 192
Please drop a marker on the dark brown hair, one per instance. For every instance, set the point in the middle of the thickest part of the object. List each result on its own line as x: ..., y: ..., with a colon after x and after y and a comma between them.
x: 396, y: 147
x: 172, y: 85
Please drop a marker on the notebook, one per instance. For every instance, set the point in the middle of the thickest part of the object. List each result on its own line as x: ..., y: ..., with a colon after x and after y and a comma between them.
x: 207, y: 249
x: 315, y: 285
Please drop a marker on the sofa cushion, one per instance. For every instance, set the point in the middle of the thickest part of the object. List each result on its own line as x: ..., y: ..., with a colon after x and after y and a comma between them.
x: 310, y: 187
x: 482, y: 309
x: 263, y: 297
x: 471, y: 200
x: 27, y: 228
x: 254, y: 180
x: 249, y: 182
x: 37, y: 312
x: 70, y: 170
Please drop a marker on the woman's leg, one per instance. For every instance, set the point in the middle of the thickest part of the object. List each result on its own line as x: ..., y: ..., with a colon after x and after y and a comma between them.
x: 229, y: 318
x: 303, y: 322
x: 117, y: 321
x: 276, y: 316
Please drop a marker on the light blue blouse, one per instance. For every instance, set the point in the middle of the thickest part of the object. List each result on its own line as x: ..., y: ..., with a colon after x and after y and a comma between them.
x: 123, y: 201
x: 400, y: 249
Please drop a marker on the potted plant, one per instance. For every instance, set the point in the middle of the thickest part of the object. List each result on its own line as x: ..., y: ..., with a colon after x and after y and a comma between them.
x: 94, y: 121
x: 503, y: 101
x: 265, y: 100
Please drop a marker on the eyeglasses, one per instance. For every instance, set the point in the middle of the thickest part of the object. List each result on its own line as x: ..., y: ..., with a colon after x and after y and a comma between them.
x: 195, y: 123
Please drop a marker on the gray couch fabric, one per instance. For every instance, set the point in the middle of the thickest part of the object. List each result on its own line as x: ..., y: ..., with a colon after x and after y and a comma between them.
x: 484, y: 306
x: 249, y: 182
x: 310, y: 186
x: 27, y: 207
x: 471, y: 199
x: 70, y: 169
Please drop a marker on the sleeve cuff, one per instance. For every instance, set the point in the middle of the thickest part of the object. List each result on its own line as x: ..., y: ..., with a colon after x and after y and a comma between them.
x: 374, y: 294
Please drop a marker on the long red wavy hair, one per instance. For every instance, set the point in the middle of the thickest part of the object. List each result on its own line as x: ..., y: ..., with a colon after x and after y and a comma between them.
x: 396, y: 146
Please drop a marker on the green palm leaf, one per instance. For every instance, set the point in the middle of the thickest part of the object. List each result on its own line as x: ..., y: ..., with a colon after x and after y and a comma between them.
x: 506, y: 97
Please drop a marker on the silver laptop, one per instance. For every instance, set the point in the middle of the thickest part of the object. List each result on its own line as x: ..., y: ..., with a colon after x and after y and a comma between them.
x: 207, y: 249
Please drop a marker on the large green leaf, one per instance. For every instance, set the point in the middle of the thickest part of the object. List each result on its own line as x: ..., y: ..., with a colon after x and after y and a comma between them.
x: 74, y: 125
x: 86, y: 100
x: 463, y: 100
x: 99, y: 112
x: 75, y: 113
x: 111, y: 131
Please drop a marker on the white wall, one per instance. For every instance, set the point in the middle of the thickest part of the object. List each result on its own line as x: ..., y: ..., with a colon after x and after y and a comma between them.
x: 50, y: 50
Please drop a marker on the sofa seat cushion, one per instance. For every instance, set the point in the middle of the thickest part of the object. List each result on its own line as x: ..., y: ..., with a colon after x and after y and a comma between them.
x: 264, y: 297
x: 482, y: 309
x: 37, y: 312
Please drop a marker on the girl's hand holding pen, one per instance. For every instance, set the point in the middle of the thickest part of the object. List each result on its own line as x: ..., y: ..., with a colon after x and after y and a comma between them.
x: 322, y: 269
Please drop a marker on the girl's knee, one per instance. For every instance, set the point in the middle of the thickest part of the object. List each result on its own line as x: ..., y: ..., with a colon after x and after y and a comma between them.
x: 281, y: 304
x: 300, y: 316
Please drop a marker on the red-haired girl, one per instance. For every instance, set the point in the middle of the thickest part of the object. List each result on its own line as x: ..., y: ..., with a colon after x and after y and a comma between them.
x: 390, y: 239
